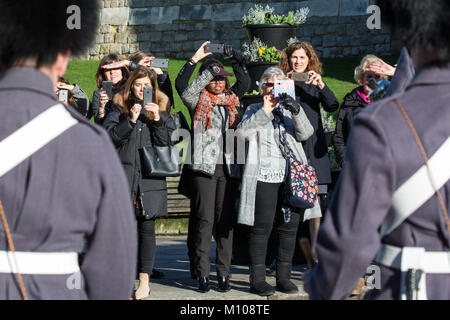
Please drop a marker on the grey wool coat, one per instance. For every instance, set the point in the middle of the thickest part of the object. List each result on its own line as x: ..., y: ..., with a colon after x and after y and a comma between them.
x: 382, y: 154
x: 251, y: 127
x: 70, y: 196
x: 206, y: 150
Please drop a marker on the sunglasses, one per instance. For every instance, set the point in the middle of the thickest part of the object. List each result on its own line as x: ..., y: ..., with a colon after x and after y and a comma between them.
x: 269, y: 84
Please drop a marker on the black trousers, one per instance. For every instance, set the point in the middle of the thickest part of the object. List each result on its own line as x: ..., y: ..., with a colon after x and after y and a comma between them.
x: 268, y: 215
x: 212, y: 206
x: 146, y: 245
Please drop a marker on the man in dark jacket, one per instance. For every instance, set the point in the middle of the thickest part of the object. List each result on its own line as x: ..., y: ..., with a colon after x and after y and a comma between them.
x: 385, y: 207
x: 71, y: 195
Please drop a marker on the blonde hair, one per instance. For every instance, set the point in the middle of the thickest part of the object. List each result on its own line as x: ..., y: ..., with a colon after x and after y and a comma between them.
x: 364, y: 67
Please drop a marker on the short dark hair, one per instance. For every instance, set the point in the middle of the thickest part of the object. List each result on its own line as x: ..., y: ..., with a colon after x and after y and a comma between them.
x: 38, y: 29
x: 424, y: 23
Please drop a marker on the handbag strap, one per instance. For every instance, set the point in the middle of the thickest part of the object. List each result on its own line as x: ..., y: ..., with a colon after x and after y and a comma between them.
x: 425, y: 157
x: 12, y: 249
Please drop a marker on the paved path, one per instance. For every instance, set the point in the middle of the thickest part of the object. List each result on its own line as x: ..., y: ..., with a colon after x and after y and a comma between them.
x: 172, y: 259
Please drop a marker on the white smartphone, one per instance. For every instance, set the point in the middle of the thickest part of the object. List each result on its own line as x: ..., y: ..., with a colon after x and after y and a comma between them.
x: 63, y: 95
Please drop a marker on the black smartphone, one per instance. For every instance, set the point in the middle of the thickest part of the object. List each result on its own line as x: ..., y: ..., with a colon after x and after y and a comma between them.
x: 303, y: 77
x: 148, y: 96
x: 215, y: 48
x: 63, y: 95
x: 107, y: 86
x: 159, y: 63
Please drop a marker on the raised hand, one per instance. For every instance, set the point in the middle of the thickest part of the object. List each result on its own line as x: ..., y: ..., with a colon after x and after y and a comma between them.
x: 382, y: 68
x: 289, y: 103
x: 117, y: 65
x: 135, y: 111
x: 201, y: 52
x: 315, y: 79
x: 153, y: 108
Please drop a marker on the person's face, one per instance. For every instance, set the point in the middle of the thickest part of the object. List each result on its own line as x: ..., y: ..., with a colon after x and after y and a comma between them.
x: 139, y: 85
x: 365, y: 80
x: 299, y: 60
x: 114, y: 75
x: 217, y: 85
x: 268, y: 86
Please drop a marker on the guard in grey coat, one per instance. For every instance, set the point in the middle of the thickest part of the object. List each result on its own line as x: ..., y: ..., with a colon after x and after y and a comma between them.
x: 378, y: 215
x: 70, y: 196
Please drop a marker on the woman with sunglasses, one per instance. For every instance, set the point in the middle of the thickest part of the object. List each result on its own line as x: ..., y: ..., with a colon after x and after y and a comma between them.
x: 132, y: 126
x: 355, y: 102
x: 263, y: 179
x: 213, y: 187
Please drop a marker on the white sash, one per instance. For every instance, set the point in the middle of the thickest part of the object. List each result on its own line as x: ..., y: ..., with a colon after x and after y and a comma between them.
x: 419, y: 188
x: 33, y: 136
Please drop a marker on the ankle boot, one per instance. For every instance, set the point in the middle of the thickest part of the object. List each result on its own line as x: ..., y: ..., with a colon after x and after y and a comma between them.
x: 284, y: 284
x: 258, y: 284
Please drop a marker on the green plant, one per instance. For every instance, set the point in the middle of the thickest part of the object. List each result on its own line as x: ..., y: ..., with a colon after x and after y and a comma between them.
x: 259, y: 51
x: 265, y: 15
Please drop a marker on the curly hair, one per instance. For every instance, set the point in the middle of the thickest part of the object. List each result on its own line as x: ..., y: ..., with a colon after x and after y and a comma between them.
x: 422, y: 23
x: 314, y: 62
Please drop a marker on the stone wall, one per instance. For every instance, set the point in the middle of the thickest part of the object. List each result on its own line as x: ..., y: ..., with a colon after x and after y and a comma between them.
x: 176, y: 28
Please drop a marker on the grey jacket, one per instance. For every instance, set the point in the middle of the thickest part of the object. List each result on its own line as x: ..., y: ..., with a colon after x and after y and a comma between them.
x: 206, y: 150
x: 382, y: 154
x: 298, y: 129
x: 72, y: 195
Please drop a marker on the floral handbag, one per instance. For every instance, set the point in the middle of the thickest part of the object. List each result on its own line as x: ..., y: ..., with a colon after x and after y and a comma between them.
x: 301, y: 184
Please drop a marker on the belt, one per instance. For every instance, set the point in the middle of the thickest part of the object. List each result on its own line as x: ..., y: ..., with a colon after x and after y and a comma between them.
x: 39, y: 263
x: 414, y: 258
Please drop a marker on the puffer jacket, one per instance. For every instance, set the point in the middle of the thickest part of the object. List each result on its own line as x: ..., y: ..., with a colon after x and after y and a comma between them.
x: 352, y: 105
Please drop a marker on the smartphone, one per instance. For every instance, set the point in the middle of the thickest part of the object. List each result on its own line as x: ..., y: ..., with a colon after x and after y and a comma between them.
x: 148, y: 96
x: 303, y: 77
x: 63, y: 95
x: 159, y: 63
x: 215, y: 48
x: 107, y: 86
x: 284, y: 86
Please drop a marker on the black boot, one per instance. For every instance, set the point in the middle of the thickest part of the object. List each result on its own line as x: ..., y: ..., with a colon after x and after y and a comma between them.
x: 258, y: 284
x: 284, y: 284
x: 224, y: 283
x: 203, y: 284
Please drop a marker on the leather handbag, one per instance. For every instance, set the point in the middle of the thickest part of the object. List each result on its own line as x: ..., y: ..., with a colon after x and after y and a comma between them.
x: 161, y: 161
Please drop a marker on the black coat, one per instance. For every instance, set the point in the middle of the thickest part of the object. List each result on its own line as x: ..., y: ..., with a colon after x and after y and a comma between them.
x: 316, y: 150
x: 352, y: 105
x: 128, y: 139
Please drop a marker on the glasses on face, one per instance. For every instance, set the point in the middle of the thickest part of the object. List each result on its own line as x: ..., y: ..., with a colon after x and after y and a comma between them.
x: 269, y: 84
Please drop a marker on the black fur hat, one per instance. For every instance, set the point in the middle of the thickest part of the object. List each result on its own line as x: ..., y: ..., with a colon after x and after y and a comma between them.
x: 39, y: 29
x: 424, y: 23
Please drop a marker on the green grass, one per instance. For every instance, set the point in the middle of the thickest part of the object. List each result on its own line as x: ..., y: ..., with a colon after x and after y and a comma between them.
x: 338, y: 75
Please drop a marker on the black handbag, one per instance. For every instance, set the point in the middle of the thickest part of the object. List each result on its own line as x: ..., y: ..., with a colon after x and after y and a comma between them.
x: 161, y: 161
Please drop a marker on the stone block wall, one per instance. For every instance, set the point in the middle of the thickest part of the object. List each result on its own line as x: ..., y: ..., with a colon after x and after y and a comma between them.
x: 176, y: 28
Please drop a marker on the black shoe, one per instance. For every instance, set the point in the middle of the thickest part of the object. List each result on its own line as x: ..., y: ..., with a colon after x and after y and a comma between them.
x: 283, y: 273
x: 203, y: 284
x: 224, y: 283
x: 156, y: 274
x: 258, y: 284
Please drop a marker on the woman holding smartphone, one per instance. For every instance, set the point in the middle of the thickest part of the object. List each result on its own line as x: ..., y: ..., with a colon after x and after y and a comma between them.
x: 215, y: 109
x: 118, y: 76
x: 263, y: 180
x: 132, y: 126
x: 300, y: 57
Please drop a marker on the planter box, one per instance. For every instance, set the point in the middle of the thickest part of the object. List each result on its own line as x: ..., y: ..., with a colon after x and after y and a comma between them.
x: 275, y: 35
x: 255, y: 70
